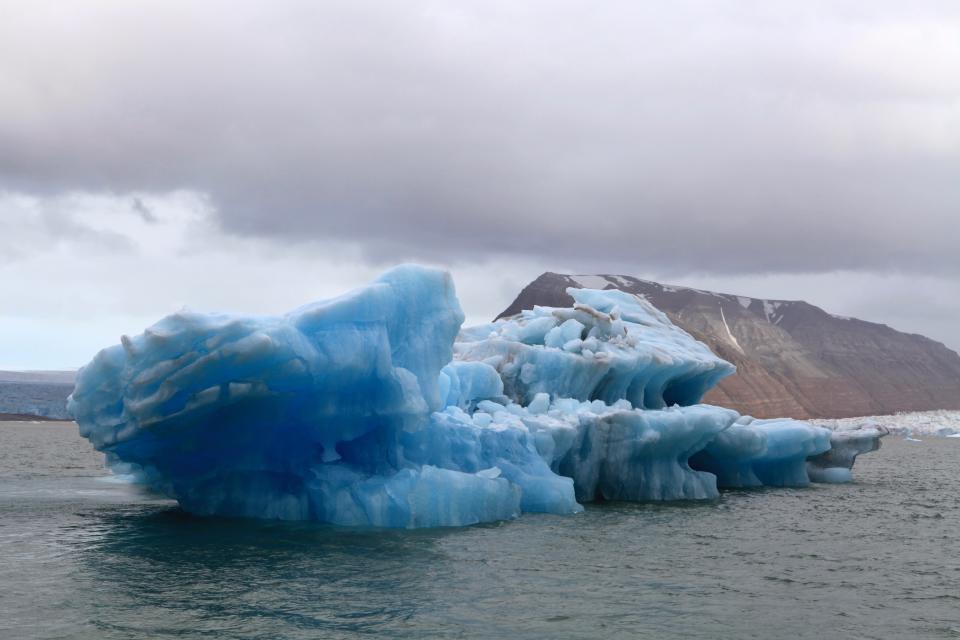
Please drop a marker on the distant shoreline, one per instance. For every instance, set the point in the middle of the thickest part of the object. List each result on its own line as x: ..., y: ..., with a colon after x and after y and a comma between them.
x: 26, y: 417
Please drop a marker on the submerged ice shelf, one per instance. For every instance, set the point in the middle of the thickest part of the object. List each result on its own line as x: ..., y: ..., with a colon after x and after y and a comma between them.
x: 375, y: 409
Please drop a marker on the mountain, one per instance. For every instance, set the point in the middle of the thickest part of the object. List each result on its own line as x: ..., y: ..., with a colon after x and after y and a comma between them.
x: 793, y: 359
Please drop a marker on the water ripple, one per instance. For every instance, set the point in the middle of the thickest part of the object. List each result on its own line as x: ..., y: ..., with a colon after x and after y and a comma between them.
x: 875, y: 559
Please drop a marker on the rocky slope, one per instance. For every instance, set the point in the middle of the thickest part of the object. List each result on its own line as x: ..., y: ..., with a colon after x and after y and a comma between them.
x: 793, y: 359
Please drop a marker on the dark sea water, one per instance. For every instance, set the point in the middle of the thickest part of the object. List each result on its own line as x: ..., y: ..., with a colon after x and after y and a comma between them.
x: 83, y: 557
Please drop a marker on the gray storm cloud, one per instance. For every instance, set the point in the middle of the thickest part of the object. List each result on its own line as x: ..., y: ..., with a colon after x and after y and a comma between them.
x: 744, y: 137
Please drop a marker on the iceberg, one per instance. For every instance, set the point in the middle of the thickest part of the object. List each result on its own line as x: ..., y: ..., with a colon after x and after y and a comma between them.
x: 753, y: 453
x: 610, y: 346
x: 836, y: 463
x: 376, y: 409
x: 327, y: 413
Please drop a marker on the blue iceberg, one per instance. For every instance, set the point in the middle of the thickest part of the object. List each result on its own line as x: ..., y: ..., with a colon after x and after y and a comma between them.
x: 836, y: 463
x: 610, y: 346
x: 753, y: 453
x: 375, y: 409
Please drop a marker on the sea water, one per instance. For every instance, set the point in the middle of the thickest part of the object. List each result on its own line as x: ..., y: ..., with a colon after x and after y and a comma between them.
x: 85, y: 556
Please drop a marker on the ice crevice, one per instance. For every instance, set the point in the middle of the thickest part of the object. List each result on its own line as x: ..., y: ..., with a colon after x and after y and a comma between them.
x: 377, y: 409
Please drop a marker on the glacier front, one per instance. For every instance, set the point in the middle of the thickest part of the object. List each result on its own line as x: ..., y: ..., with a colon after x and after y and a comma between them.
x: 376, y: 409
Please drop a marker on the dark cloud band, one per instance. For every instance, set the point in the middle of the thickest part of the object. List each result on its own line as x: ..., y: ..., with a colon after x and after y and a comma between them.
x: 681, y: 138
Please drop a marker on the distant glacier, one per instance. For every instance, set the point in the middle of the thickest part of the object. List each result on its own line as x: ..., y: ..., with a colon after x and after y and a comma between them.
x: 918, y: 423
x: 41, y: 394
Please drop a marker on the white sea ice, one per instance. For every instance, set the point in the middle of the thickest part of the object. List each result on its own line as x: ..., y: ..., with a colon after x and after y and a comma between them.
x: 943, y: 423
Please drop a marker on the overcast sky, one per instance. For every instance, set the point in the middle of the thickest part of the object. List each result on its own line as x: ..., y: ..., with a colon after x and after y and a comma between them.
x: 254, y: 156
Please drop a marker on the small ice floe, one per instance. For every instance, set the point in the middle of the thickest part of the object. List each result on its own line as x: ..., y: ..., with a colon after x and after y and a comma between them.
x: 954, y: 435
x: 909, y: 439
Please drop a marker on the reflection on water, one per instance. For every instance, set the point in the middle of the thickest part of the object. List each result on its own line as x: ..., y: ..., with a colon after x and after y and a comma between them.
x: 84, y: 558
x: 251, y: 578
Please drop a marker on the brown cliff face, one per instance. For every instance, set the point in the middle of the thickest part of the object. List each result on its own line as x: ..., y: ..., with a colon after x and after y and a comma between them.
x: 793, y: 359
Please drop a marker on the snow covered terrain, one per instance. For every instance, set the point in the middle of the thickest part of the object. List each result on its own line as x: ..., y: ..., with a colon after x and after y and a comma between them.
x: 375, y: 409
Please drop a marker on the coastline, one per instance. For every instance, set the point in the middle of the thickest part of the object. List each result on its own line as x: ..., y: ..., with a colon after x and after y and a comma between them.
x: 26, y: 417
